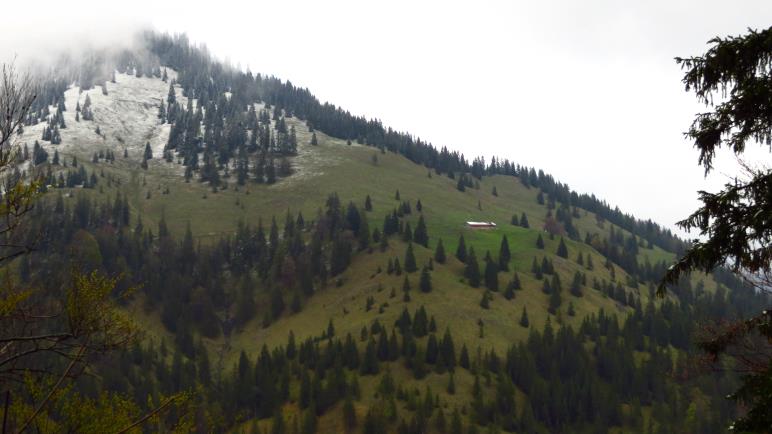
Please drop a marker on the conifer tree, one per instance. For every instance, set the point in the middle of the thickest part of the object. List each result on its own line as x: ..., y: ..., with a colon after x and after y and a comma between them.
x: 148, y: 152
x: 472, y: 270
x: 576, y: 285
x: 546, y: 287
x: 407, y: 233
x: 554, y: 301
x: 461, y: 253
x: 524, y: 221
x: 562, y: 249
x: 524, y: 318
x: 369, y: 364
x: 171, y: 98
x: 277, y: 426
x: 270, y: 172
x: 410, y: 263
x: 420, y: 323
x: 509, y: 292
x: 460, y: 186
x: 485, y: 301
x: 463, y: 358
x: 368, y: 203
x: 425, y: 283
x: 504, y: 254
x: 536, y: 269
x: 451, y: 387
x: 421, y: 236
x: 349, y: 414
x: 491, y: 273
x: 363, y: 234
x: 539, y: 242
x: 439, y: 252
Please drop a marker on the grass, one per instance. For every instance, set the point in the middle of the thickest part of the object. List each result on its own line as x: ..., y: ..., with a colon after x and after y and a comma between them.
x: 350, y: 171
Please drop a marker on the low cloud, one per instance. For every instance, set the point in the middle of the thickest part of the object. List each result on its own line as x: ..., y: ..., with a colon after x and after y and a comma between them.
x: 41, y: 33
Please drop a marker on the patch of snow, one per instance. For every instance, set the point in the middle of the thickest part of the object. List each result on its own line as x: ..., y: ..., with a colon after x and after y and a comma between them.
x: 127, y: 118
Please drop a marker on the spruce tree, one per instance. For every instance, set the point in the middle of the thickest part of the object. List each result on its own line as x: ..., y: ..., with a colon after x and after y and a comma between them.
x: 369, y: 364
x: 463, y: 358
x: 472, y: 270
x: 410, y: 264
x: 420, y: 323
x: 536, y: 269
x: 406, y: 285
x: 576, y: 285
x: 485, y: 301
x: 524, y: 221
x: 439, y: 252
x: 421, y: 236
x: 349, y: 414
x: 524, y: 318
x: 539, y: 242
x: 270, y: 172
x: 491, y: 273
x: 509, y: 292
x: 426, y: 280
x: 562, y: 249
x: 407, y: 233
x: 571, y: 311
x: 171, y: 98
x: 461, y: 252
x: 554, y: 301
x: 504, y: 254
x: 148, y: 152
x: 460, y: 185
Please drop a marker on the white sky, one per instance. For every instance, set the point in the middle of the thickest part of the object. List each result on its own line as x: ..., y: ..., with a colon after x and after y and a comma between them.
x: 587, y: 91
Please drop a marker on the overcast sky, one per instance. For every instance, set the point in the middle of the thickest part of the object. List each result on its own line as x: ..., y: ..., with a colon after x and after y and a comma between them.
x: 587, y: 91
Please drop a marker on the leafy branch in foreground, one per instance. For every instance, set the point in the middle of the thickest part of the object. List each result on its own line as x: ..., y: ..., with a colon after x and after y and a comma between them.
x: 49, y: 337
x: 736, y: 222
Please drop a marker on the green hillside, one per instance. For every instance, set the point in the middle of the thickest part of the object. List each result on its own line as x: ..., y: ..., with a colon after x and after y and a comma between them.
x: 350, y: 172
x: 278, y: 301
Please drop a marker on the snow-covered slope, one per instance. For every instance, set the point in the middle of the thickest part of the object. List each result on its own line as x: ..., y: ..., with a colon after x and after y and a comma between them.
x: 126, y: 117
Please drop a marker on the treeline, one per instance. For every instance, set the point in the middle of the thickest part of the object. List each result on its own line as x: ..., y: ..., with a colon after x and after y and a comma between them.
x: 603, y: 375
x: 207, y: 81
x: 214, y: 288
x: 226, y: 133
